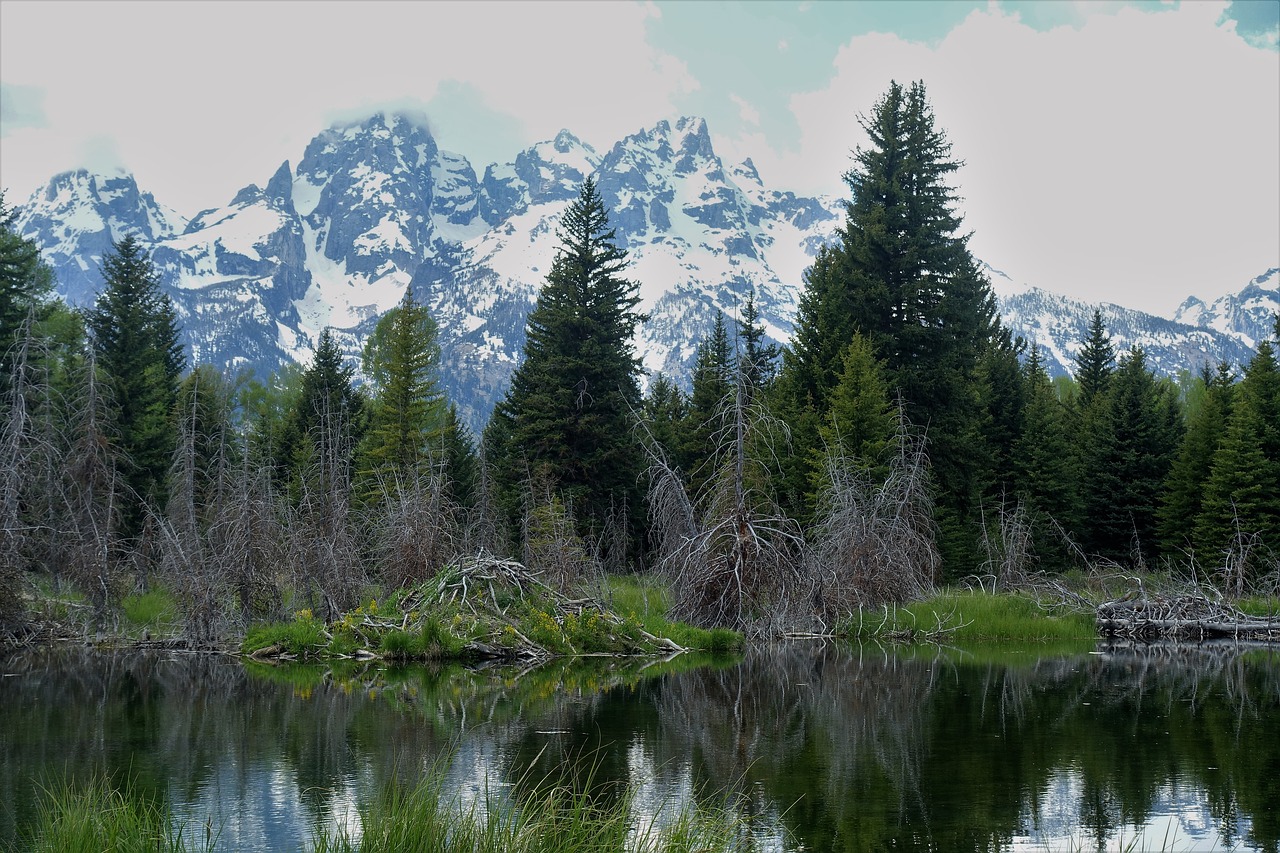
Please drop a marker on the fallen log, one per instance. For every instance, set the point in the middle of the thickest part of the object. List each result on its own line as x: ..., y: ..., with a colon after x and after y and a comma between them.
x: 1186, y: 618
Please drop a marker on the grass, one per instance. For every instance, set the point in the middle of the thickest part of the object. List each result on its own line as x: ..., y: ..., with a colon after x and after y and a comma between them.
x: 154, y: 610
x: 648, y: 601
x: 428, y: 817
x: 550, y: 819
x: 1259, y: 605
x: 964, y: 616
x: 100, y: 817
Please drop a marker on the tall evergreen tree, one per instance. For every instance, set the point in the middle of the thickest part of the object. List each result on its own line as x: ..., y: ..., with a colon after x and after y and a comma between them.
x: 26, y: 282
x: 569, y: 409
x: 1129, y: 454
x: 1095, y: 362
x: 666, y: 412
x: 1241, y: 496
x: 757, y: 360
x: 712, y: 384
x: 1042, y: 457
x: 903, y: 276
x: 861, y: 421
x: 328, y: 418
x: 1184, y: 489
x: 408, y: 411
x: 134, y: 330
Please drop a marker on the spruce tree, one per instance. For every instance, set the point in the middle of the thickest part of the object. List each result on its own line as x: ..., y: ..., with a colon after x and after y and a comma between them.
x: 134, y: 331
x: 1043, y: 462
x: 666, y: 411
x: 1127, y: 460
x: 568, y: 411
x: 756, y: 360
x: 1095, y: 362
x: 327, y: 421
x: 860, y: 422
x: 712, y: 385
x: 903, y: 276
x: 408, y: 411
x: 26, y: 282
x: 1241, y: 495
x: 1184, y: 490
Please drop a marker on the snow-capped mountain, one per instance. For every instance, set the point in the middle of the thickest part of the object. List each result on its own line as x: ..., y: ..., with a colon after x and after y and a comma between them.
x: 1059, y: 324
x: 1248, y: 315
x: 76, y: 216
x: 375, y: 206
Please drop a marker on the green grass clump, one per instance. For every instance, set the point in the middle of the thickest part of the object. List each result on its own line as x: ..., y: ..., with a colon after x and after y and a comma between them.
x: 550, y: 819
x: 304, y: 636
x: 154, y: 609
x: 100, y: 817
x: 1262, y: 606
x: 648, y: 602
x: 965, y: 616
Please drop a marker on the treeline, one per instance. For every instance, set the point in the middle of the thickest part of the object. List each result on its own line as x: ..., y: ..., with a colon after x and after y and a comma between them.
x: 905, y: 437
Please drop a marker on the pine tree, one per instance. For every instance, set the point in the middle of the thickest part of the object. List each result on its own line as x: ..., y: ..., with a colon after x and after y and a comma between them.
x: 712, y: 386
x: 408, y: 411
x: 26, y: 282
x: 327, y: 421
x: 861, y: 421
x: 1129, y: 454
x: 1241, y: 497
x: 756, y: 360
x: 666, y: 411
x: 134, y: 331
x: 1184, y: 491
x: 569, y: 410
x: 903, y: 276
x: 1095, y: 362
x: 1043, y: 461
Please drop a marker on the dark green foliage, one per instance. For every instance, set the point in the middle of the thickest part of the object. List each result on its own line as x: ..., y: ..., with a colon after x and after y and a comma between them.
x: 860, y: 421
x: 1002, y: 388
x: 134, y: 330
x: 666, y: 410
x: 902, y: 275
x: 1184, y: 489
x: 329, y: 417
x: 1127, y: 454
x: 26, y: 282
x: 461, y: 460
x: 1241, y: 498
x: 1095, y: 362
x: 1044, y: 461
x: 757, y: 361
x: 569, y: 410
x: 712, y: 388
x: 408, y: 412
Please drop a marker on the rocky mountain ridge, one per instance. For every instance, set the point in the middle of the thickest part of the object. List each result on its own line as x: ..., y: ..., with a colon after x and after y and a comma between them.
x: 375, y: 206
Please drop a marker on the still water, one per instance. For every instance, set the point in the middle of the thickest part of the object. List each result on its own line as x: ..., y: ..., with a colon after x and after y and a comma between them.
x: 825, y: 747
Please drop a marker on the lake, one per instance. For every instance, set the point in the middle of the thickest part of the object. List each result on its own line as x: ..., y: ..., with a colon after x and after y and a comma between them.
x: 826, y: 747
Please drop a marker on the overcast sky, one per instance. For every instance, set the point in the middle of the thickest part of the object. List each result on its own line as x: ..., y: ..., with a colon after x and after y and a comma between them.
x: 1126, y: 151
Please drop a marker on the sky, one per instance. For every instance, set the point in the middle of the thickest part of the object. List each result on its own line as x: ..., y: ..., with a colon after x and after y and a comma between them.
x: 1122, y: 151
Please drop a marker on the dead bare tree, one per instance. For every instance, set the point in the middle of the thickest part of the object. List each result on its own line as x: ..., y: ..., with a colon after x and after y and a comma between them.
x: 1007, y: 544
x: 735, y: 560
x: 874, y: 542
x: 88, y: 544
x: 551, y: 544
x: 416, y: 526
x: 323, y: 543
x: 20, y: 449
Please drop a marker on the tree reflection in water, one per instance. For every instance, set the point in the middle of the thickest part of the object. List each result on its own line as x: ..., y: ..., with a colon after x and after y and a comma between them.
x: 831, y: 748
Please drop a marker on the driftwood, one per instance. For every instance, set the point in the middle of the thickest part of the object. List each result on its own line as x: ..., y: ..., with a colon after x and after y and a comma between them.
x: 1183, y: 617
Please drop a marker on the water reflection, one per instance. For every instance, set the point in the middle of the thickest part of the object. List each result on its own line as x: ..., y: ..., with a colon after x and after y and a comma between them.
x: 822, y: 747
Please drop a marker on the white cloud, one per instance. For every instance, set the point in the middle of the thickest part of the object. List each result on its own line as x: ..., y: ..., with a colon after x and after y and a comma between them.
x: 203, y: 98
x: 1130, y: 159
x: 746, y: 111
